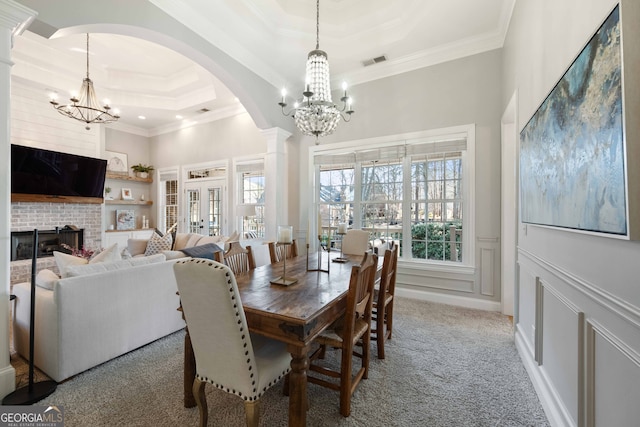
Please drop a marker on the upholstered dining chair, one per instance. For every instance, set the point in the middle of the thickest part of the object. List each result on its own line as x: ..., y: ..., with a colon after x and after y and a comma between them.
x: 280, y: 252
x: 345, y: 334
x: 239, y: 259
x: 355, y: 242
x: 382, y: 313
x: 227, y: 355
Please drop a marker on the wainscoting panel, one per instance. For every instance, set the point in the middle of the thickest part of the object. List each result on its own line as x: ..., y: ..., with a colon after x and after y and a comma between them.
x: 488, y: 277
x: 526, y: 312
x: 561, y: 354
x: 434, y: 280
x: 590, y: 346
x: 613, y: 380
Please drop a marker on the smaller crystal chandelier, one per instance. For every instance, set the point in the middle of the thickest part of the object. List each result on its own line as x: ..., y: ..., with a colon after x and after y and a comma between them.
x: 85, y: 106
x: 317, y: 115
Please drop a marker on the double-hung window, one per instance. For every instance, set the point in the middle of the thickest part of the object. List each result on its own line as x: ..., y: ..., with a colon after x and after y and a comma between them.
x: 416, y: 192
x: 251, y: 178
x: 169, y: 200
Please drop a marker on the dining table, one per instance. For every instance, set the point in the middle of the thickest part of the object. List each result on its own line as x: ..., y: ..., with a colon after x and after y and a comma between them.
x: 294, y: 314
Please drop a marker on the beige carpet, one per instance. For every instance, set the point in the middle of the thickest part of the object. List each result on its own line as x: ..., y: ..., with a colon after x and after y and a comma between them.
x: 445, y: 366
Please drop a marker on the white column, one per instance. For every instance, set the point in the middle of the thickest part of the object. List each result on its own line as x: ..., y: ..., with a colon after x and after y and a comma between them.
x: 276, y: 180
x: 12, y: 16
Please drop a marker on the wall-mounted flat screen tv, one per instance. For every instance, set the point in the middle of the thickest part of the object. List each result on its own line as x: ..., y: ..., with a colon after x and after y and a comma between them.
x: 44, y: 172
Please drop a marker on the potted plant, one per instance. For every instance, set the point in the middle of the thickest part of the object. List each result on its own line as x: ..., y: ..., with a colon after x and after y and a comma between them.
x: 107, y: 191
x: 141, y: 170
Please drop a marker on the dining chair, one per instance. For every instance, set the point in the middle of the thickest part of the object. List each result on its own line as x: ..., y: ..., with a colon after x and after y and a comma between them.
x: 382, y: 312
x: 345, y: 334
x: 355, y: 242
x: 239, y: 259
x: 227, y: 355
x: 277, y: 252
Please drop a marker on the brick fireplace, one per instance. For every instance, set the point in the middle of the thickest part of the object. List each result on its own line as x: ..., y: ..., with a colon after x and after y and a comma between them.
x: 27, y: 216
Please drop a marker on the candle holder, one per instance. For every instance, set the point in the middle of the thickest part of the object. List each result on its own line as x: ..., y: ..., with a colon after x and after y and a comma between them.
x: 285, y: 237
x: 319, y: 267
x: 341, y: 259
x: 284, y: 280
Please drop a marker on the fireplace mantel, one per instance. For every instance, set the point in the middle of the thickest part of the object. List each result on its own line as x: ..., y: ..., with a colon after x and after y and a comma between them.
x: 43, y: 198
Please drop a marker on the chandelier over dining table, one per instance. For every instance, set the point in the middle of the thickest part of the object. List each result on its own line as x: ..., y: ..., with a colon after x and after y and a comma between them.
x: 316, y: 114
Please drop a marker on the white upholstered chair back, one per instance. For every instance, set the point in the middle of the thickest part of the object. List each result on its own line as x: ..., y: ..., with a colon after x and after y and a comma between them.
x: 355, y: 242
x: 227, y: 356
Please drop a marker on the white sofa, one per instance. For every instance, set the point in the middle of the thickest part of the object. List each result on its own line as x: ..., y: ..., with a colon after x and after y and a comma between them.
x: 89, y: 319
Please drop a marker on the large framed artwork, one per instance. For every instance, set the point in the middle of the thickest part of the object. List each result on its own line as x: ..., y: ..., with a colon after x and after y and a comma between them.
x: 572, y: 151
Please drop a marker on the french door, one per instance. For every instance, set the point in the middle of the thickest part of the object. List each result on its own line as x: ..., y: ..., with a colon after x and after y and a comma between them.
x: 205, y: 207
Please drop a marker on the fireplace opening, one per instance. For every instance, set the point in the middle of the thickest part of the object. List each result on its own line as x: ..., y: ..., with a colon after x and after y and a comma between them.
x: 48, y: 241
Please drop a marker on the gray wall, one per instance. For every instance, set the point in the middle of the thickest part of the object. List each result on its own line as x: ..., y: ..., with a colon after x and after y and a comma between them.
x: 578, y: 294
x: 222, y: 139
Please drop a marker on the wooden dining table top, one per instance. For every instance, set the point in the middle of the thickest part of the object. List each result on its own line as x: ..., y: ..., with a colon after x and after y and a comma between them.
x: 298, y: 306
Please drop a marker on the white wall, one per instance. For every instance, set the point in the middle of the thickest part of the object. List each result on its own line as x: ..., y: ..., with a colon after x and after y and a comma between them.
x: 578, y: 294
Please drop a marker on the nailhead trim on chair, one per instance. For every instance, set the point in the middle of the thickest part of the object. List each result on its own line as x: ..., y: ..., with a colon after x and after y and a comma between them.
x: 256, y: 395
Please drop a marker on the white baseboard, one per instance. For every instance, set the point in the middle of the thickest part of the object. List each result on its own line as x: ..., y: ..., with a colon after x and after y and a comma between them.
x: 458, y: 300
x: 7, y: 380
x: 553, y: 408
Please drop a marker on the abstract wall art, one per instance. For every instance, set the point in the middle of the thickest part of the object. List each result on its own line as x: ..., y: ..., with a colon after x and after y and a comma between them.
x: 572, y: 152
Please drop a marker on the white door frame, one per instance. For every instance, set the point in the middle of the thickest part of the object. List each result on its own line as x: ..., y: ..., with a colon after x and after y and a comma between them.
x: 509, y: 205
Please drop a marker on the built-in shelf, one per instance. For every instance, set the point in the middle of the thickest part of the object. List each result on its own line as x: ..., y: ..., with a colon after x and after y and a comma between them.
x: 129, y: 202
x: 123, y: 177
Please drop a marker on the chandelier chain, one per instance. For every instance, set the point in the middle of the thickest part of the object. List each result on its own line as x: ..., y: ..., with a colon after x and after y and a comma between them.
x: 317, y: 24
x: 87, y: 55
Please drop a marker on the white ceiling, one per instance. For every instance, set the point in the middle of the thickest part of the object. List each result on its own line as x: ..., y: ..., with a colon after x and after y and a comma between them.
x: 272, y: 38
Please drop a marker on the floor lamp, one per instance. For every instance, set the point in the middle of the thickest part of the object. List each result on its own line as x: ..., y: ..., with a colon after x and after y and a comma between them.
x: 32, y: 392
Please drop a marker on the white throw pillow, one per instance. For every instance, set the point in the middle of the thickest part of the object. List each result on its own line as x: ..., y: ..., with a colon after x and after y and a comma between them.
x: 234, y: 237
x: 46, y: 279
x: 193, y: 240
x: 137, y: 246
x: 63, y: 261
x: 108, y: 255
x: 157, y: 244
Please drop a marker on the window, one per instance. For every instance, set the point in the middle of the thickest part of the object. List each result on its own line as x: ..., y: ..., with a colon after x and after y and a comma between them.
x: 436, y: 207
x: 336, y: 198
x: 252, y: 195
x: 170, y: 203
x: 168, y: 210
x: 413, y: 192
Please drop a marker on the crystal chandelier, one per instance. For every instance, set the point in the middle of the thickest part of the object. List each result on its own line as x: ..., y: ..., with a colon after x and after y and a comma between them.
x: 85, y: 106
x: 317, y: 115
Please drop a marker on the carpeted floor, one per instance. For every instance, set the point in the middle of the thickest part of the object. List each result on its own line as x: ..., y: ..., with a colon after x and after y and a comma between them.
x: 445, y: 366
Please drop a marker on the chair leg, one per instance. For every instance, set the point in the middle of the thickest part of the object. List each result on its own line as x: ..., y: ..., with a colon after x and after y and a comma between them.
x: 389, y: 319
x: 285, y: 386
x: 201, y: 401
x: 380, y: 333
x: 345, y: 381
x: 252, y: 411
x: 366, y: 345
